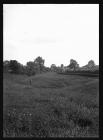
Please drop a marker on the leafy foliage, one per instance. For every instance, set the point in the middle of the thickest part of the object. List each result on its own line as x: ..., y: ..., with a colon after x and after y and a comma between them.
x: 30, y: 68
x: 14, y: 66
x: 73, y: 64
x: 6, y: 66
x: 40, y: 63
x: 37, y: 66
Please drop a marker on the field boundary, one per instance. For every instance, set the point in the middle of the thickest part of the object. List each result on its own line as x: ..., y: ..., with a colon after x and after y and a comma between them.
x: 80, y: 74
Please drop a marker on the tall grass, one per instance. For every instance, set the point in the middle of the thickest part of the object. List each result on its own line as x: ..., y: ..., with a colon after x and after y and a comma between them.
x: 45, y: 110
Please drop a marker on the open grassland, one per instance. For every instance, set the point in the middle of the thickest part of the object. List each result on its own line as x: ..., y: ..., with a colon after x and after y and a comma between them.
x: 53, y: 106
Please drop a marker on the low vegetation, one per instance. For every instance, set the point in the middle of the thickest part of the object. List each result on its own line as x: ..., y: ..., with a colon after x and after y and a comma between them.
x: 53, y: 105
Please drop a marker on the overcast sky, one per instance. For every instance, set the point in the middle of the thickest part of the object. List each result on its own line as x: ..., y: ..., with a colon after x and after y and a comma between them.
x: 56, y: 32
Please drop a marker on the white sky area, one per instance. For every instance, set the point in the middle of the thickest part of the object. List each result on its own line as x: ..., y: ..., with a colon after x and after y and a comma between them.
x: 56, y: 32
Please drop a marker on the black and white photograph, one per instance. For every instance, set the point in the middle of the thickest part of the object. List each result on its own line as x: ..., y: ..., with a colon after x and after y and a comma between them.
x: 51, y: 70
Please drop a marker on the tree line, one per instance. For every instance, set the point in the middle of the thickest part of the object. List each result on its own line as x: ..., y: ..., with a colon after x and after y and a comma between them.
x: 37, y: 66
x: 31, y: 67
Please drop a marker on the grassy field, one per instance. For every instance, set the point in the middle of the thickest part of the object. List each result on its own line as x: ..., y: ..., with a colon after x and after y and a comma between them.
x: 53, y: 106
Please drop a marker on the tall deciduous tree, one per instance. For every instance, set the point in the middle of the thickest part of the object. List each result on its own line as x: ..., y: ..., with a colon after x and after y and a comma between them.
x: 53, y: 67
x: 30, y: 68
x: 91, y: 63
x: 62, y: 66
x: 5, y: 66
x: 73, y: 64
x: 14, y: 66
x: 39, y: 61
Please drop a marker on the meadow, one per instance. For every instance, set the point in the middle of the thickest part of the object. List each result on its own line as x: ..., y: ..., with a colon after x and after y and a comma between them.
x: 54, y: 105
